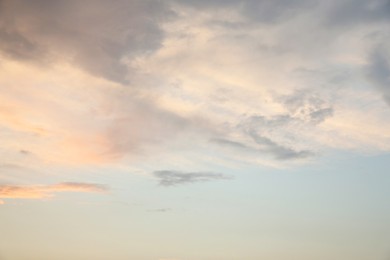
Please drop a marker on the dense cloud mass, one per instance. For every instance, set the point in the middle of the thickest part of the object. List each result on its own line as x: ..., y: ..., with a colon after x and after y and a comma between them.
x: 95, y: 35
x: 97, y: 82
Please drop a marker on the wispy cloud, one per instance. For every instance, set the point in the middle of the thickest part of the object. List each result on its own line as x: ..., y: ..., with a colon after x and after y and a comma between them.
x: 172, y: 178
x: 279, y: 151
x: 274, y: 136
x: 161, y: 210
x: 47, y: 191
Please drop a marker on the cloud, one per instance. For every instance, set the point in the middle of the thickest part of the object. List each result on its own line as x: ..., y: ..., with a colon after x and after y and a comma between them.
x: 160, y: 210
x: 353, y: 13
x: 172, y: 178
x: 95, y: 35
x: 77, y: 187
x: 378, y: 71
x: 281, y: 135
x: 272, y: 135
x: 235, y: 74
x: 255, y: 10
x: 279, y: 151
x: 97, y: 82
x: 264, y: 145
x: 84, y: 120
x: 234, y: 144
x: 47, y: 191
x: 304, y: 105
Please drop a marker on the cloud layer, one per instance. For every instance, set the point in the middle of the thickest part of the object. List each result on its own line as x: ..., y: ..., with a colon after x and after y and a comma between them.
x: 93, y: 83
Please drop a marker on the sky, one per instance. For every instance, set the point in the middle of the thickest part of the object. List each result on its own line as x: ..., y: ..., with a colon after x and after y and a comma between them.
x: 194, y: 130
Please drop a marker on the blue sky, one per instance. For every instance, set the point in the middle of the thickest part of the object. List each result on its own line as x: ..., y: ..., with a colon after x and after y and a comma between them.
x: 188, y: 130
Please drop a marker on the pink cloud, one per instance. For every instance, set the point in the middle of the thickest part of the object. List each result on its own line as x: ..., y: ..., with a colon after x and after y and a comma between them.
x: 46, y: 191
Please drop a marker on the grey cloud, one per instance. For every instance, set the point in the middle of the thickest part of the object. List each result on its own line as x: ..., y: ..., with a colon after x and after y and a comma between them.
x: 266, y: 145
x: 227, y: 142
x: 255, y: 10
x: 325, y: 24
x: 18, y: 47
x: 261, y: 131
x: 307, y: 106
x: 337, y: 14
x: 10, y: 166
x: 355, y: 12
x: 24, y: 152
x: 274, y: 11
x: 95, y: 35
x: 160, y: 210
x: 206, y: 3
x: 320, y: 115
x: 264, y: 122
x: 279, y: 151
x: 378, y: 71
x: 172, y: 178
x: 99, y: 35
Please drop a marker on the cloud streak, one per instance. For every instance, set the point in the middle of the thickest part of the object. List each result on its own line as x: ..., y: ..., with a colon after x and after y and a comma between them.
x: 172, y: 178
x: 47, y: 191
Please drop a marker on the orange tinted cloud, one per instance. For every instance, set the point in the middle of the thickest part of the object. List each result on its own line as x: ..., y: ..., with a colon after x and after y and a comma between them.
x: 46, y: 191
x: 59, y: 124
x: 77, y: 187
